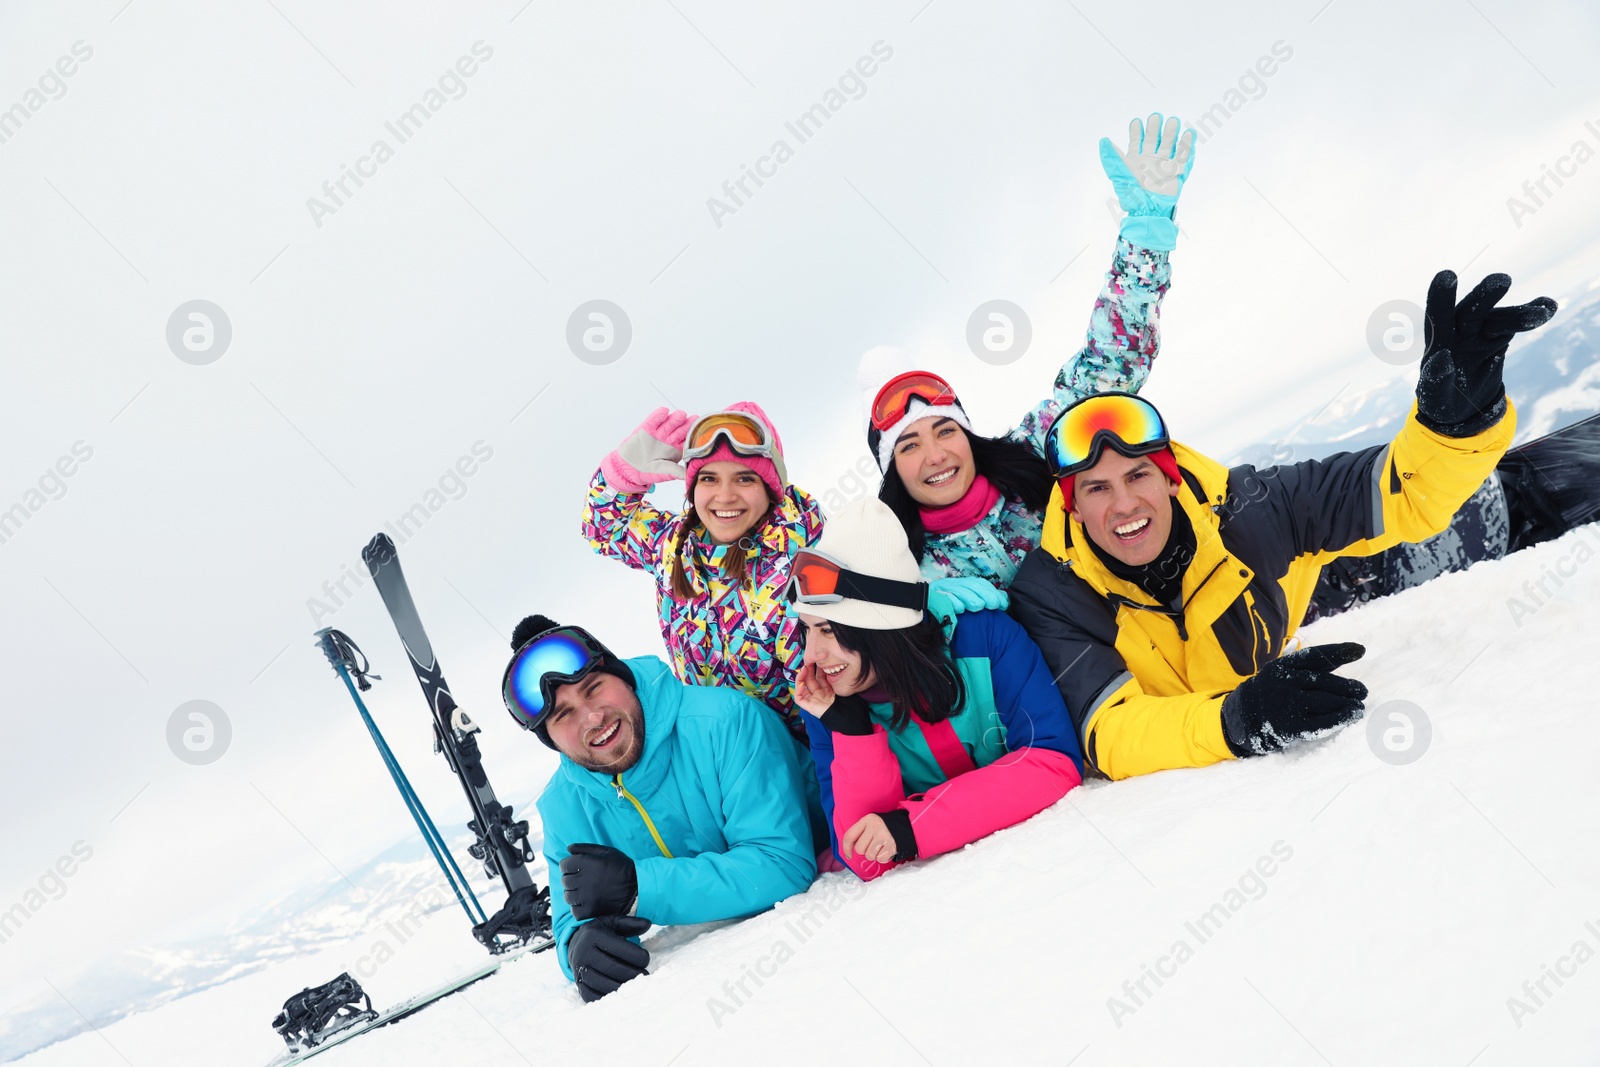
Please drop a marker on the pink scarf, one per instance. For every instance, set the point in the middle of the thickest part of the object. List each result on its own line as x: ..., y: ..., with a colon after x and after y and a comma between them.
x: 965, y: 513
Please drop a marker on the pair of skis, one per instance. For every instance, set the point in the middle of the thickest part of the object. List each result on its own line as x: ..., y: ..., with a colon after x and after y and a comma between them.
x: 317, y: 1019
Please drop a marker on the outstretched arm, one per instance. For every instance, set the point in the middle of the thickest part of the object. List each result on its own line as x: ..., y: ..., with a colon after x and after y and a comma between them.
x: 1360, y: 503
x: 1124, y: 327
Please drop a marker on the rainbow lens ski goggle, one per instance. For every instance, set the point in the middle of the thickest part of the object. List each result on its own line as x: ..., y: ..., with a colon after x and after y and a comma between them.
x: 815, y: 578
x: 1121, y: 420
x: 552, y: 659
x: 894, y: 399
x: 747, y: 436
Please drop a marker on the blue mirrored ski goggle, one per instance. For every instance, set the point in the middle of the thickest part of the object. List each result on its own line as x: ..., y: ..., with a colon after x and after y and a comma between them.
x: 543, y: 664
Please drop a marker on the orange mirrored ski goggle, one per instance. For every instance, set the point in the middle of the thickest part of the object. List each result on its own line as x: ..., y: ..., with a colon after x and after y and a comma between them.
x: 815, y: 578
x: 745, y: 435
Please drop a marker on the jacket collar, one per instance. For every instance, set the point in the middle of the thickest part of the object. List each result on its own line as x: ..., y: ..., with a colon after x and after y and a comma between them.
x: 660, y: 696
x: 698, y: 551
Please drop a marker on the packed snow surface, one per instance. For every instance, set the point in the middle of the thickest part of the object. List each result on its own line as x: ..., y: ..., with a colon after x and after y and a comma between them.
x: 1323, y: 907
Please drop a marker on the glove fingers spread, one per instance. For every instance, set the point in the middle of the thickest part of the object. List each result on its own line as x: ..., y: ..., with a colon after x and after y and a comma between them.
x: 1325, y: 657
x: 1168, y: 146
x: 1477, y: 304
x: 1503, y: 323
x: 1185, y: 156
x: 1441, y: 310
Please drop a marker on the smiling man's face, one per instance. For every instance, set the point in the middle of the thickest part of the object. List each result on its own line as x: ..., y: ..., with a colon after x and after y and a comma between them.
x: 597, y: 723
x: 1125, y: 506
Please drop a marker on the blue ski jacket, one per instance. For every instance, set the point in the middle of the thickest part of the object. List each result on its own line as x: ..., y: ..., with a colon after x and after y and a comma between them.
x: 713, y: 814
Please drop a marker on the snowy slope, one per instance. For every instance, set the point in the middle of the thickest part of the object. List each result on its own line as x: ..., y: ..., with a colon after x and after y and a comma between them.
x: 1360, y: 911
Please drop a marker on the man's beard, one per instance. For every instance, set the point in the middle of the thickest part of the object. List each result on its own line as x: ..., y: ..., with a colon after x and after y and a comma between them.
x: 626, y: 760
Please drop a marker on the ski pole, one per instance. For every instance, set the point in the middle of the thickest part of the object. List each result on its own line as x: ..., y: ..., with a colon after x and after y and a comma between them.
x: 339, y: 648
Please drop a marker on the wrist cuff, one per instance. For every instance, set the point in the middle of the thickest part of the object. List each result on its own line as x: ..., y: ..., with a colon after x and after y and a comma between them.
x: 851, y: 716
x: 905, y: 842
x: 616, y: 470
x: 1152, y: 232
x: 1232, y: 730
x: 1468, y: 427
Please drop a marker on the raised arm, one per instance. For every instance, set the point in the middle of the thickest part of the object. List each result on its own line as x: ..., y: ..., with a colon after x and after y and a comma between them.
x: 1363, y: 502
x: 617, y: 522
x: 1124, y: 327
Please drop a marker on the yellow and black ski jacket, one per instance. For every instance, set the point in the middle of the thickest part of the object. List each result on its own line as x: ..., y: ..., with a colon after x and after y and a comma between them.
x: 1144, y: 682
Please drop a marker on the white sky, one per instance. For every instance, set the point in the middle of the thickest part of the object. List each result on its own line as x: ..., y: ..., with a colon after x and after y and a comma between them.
x: 422, y: 317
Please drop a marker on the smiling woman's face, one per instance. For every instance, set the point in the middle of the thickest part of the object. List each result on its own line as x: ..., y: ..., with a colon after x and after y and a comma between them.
x: 840, y: 666
x: 730, y: 499
x: 934, y: 460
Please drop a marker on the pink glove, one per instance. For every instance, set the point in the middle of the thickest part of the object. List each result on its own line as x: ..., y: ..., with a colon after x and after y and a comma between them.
x: 652, y: 453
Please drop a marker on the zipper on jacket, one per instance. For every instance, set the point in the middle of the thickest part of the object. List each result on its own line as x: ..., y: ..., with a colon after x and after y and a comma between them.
x: 1175, y: 614
x: 623, y: 794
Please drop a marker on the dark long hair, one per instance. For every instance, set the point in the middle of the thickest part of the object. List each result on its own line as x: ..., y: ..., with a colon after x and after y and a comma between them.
x: 914, y: 667
x: 1012, y: 467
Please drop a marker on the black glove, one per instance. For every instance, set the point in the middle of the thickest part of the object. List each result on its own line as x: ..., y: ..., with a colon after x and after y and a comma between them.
x: 1460, y: 391
x: 851, y: 716
x: 598, y: 880
x: 602, y: 957
x: 1293, y: 698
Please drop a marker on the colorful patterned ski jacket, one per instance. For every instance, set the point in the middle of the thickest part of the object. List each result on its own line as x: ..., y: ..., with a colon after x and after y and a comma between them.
x: 709, y: 814
x: 1124, y: 334
x: 1006, y: 755
x: 1146, y: 681
x: 725, y: 634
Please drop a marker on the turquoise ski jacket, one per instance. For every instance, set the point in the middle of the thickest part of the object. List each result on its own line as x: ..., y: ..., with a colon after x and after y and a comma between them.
x: 713, y: 814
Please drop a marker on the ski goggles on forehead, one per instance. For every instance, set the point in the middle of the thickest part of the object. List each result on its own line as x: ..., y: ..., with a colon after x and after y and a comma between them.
x: 818, y: 579
x: 543, y: 664
x: 1122, y: 421
x: 745, y: 435
x: 893, y: 401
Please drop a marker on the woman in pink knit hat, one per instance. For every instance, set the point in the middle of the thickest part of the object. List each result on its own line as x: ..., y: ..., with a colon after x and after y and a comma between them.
x: 721, y: 564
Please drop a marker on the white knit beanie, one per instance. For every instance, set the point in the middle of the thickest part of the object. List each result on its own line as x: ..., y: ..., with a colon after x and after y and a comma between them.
x: 865, y: 537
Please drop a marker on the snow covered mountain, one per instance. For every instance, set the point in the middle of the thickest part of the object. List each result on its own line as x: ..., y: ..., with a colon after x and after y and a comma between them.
x: 1554, y: 380
x: 1420, y: 887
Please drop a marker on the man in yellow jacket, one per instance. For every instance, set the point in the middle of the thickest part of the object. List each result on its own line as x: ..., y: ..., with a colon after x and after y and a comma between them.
x: 1166, y: 586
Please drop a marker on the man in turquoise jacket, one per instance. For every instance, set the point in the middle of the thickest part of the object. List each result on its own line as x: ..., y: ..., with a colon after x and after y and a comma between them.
x: 672, y: 803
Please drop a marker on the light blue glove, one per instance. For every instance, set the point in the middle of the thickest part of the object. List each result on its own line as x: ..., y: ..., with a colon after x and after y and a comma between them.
x: 949, y: 597
x: 1148, y: 178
